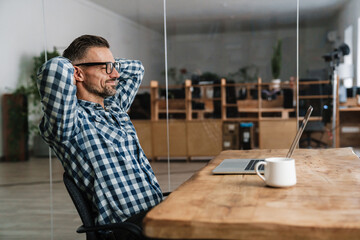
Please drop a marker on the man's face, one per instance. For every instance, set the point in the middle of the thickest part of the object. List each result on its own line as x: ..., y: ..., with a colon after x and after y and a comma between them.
x: 96, y: 82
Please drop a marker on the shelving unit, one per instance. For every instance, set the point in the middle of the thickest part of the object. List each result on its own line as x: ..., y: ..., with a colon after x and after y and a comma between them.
x: 191, y: 134
x: 318, y: 94
x: 348, y: 121
x: 183, y: 106
x: 270, y: 118
x: 195, y: 132
x: 258, y: 106
x: 317, y: 99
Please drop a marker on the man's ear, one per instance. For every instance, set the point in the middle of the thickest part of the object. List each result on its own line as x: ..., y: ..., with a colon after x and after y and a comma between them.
x: 78, y: 74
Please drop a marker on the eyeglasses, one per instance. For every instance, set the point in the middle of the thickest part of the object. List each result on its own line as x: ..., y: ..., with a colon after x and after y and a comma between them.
x: 109, y: 65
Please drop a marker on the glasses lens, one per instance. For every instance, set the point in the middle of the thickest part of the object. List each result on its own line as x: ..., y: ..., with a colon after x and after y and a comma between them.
x: 117, y: 66
x: 109, y: 67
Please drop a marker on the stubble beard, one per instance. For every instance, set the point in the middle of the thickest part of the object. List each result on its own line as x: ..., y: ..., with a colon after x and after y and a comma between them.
x: 107, y: 91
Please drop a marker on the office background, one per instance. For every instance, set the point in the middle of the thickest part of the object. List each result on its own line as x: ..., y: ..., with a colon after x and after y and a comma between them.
x: 200, y: 39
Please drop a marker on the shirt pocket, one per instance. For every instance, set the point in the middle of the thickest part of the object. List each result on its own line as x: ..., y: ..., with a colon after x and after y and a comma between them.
x: 123, y: 118
x: 125, y: 123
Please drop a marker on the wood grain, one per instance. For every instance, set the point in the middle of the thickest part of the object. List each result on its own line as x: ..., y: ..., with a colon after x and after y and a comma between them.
x: 276, y: 134
x: 177, y: 137
x: 325, y: 203
x: 144, y: 133
x: 204, y: 138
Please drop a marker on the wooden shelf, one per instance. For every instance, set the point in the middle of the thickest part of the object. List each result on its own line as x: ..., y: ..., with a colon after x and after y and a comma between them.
x: 231, y: 105
x: 172, y: 111
x: 205, y: 99
x: 315, y: 96
x: 349, y: 109
x: 319, y: 118
x: 206, y: 85
x: 244, y: 119
x: 314, y: 82
x: 248, y: 110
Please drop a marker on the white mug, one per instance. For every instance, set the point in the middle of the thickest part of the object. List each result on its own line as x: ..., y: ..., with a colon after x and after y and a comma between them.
x: 279, y: 171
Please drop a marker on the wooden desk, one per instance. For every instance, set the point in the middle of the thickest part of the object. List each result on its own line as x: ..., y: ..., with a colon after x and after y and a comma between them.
x: 348, y: 117
x: 284, y: 112
x: 325, y: 203
x: 350, y: 109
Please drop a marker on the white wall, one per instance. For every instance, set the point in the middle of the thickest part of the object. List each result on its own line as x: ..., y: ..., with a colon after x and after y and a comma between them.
x: 127, y: 39
x: 22, y: 37
x: 349, y: 16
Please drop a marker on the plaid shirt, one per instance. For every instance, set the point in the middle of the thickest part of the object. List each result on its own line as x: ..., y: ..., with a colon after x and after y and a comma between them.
x: 98, y: 147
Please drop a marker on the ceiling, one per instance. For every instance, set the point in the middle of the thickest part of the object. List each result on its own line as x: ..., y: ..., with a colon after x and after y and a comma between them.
x: 190, y: 16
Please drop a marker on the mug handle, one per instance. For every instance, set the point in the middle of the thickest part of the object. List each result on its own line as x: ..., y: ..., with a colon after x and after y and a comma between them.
x: 257, y: 165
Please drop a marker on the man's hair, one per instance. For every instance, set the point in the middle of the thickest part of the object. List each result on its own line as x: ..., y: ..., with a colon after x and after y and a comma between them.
x: 78, y: 48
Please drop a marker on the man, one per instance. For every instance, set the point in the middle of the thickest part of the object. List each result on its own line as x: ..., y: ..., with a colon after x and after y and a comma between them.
x: 85, y: 96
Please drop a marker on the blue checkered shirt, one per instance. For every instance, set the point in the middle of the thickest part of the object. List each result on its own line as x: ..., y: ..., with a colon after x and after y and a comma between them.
x: 98, y: 147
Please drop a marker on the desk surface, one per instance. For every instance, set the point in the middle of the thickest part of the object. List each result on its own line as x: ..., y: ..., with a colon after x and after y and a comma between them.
x: 349, y: 109
x: 325, y: 203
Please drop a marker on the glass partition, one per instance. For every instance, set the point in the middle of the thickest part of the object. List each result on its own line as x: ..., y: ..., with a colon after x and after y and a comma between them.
x: 34, y: 201
x: 225, y: 75
x: 327, y: 72
x: 347, y: 30
x: 232, y: 72
x: 134, y: 32
x: 24, y: 180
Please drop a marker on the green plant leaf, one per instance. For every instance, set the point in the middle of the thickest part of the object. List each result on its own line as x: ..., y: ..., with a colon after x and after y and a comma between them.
x: 276, y: 60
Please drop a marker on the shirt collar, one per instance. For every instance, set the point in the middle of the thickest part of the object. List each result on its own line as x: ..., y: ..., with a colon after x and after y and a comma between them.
x: 91, y: 105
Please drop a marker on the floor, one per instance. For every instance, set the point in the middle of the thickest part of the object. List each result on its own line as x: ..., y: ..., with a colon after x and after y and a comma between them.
x: 25, y: 198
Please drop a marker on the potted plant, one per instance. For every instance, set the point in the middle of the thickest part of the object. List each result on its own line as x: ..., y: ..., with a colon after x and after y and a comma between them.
x: 22, y: 110
x: 276, y: 65
x: 15, y: 127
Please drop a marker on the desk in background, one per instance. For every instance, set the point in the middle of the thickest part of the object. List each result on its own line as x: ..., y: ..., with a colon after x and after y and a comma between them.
x: 348, y: 124
x: 325, y: 203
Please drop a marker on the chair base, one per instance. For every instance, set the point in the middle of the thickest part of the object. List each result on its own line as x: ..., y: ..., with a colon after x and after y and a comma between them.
x: 308, y: 140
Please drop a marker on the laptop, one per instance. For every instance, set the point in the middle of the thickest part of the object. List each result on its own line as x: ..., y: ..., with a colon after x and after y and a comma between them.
x: 247, y: 166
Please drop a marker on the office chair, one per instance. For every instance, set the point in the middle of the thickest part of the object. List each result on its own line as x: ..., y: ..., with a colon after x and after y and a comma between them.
x: 316, y: 126
x: 313, y: 127
x: 96, y: 232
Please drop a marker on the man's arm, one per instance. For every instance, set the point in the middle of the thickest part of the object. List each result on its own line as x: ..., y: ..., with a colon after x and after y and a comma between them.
x: 58, y: 98
x: 131, y: 74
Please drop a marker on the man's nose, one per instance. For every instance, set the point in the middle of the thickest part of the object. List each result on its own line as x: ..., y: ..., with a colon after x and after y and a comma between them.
x: 115, y: 74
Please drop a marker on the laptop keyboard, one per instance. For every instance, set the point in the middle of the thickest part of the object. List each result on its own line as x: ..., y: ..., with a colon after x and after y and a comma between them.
x: 251, y: 165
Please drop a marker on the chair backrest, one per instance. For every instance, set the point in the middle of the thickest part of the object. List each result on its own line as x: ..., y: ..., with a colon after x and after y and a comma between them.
x: 81, y: 203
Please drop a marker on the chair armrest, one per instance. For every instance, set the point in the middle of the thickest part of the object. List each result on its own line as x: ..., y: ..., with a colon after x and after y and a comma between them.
x: 166, y: 194
x: 130, y: 227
